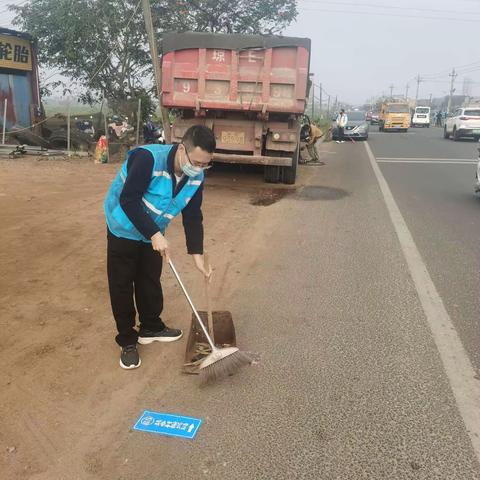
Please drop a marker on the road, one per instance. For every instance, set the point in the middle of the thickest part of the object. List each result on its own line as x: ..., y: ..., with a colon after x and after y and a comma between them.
x: 351, y: 383
x: 368, y: 359
x: 432, y: 181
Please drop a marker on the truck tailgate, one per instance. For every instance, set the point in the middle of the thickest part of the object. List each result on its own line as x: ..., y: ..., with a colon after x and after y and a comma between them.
x: 270, y: 78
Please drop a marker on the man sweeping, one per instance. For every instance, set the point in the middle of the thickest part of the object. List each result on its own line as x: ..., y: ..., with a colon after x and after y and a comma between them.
x: 155, y: 184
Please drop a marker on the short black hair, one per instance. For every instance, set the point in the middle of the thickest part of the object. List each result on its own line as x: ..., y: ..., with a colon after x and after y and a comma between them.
x: 199, y: 136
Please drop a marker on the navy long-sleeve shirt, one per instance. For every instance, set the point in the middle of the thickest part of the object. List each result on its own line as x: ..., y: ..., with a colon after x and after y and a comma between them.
x: 139, y: 173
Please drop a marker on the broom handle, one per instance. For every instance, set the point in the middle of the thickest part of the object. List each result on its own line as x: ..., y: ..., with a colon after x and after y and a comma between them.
x: 194, y: 310
x: 206, y: 265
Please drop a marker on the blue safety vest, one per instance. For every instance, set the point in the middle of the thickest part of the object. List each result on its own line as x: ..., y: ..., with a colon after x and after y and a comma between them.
x: 158, y: 200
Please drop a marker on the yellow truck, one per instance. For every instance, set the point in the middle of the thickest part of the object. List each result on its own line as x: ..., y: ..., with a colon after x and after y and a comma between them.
x: 394, y: 116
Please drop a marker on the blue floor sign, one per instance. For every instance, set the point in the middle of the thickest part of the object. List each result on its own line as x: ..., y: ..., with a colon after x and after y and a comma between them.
x: 167, y: 424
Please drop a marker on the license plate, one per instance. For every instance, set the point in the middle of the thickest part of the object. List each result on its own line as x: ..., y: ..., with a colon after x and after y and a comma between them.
x: 233, y: 138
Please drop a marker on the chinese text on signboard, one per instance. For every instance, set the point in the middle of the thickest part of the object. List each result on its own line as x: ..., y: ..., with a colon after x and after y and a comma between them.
x: 15, y: 53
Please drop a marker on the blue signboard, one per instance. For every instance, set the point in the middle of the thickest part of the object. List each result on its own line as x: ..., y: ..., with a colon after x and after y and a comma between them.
x: 166, y: 424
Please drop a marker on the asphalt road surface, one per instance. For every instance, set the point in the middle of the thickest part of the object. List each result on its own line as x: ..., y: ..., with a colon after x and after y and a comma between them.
x: 432, y: 181
x: 362, y: 298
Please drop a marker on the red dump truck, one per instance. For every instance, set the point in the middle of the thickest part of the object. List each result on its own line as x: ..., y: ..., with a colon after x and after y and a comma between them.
x: 250, y: 89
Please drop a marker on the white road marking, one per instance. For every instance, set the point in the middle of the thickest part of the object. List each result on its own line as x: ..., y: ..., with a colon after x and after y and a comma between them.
x: 392, y: 133
x: 431, y: 162
x: 457, y: 365
x: 425, y: 159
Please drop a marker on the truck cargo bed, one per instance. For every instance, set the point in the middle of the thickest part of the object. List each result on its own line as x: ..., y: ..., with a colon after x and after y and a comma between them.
x: 235, y: 72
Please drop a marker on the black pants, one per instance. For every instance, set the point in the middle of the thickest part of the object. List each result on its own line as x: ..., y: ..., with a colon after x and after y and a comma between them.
x: 134, y: 270
x: 341, y: 135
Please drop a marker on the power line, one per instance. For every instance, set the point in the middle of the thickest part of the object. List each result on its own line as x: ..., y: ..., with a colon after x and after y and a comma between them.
x: 385, y: 7
x: 470, y: 70
x: 468, y: 66
x: 323, y: 90
x: 459, y: 69
x: 351, y: 12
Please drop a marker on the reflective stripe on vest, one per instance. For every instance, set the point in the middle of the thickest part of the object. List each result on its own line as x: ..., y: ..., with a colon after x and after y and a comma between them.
x: 157, y: 200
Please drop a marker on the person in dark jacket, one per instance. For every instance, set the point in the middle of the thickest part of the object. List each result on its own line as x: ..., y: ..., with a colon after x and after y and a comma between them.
x: 155, y: 184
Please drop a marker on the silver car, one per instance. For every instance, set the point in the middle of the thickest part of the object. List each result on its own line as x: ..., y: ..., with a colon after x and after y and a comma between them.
x: 357, y: 127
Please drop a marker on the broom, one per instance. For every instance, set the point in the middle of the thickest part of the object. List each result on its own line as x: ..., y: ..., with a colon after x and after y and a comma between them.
x: 222, y: 362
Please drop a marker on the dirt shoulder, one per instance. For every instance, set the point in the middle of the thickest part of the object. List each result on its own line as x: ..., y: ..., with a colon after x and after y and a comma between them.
x: 62, y: 391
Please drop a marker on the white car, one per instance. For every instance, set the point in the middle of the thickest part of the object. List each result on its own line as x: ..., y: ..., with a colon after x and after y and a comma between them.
x: 464, y: 122
x: 421, y: 117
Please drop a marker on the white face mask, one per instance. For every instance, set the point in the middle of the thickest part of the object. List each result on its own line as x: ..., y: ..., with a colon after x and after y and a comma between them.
x: 187, y: 168
x: 190, y: 170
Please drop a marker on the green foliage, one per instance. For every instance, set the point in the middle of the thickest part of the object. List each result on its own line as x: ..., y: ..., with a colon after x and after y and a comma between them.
x: 89, y: 42
x: 226, y: 16
x: 101, y: 45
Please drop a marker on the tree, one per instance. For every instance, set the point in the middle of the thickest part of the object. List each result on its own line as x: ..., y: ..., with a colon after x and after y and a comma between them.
x: 98, y: 44
x: 101, y: 45
x: 227, y: 16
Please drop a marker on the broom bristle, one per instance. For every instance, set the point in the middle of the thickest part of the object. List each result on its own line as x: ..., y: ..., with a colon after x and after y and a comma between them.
x: 224, y: 367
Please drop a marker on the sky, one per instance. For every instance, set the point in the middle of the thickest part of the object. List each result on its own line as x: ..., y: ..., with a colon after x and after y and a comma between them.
x: 362, y: 47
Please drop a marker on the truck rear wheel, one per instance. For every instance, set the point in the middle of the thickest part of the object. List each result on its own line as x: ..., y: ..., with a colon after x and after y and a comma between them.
x: 271, y: 174
x: 290, y: 173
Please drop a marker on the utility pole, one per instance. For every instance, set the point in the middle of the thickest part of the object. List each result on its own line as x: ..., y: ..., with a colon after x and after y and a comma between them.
x: 68, y: 129
x: 5, y: 103
x: 430, y: 101
x: 453, y: 75
x: 147, y: 15
x: 418, y: 87
x: 328, y: 107
x: 406, y: 91
x: 336, y: 103
x: 313, y: 100
x: 139, y: 114
x: 391, y: 91
x: 320, y: 101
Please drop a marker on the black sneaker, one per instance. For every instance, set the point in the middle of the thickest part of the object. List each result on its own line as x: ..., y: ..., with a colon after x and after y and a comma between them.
x: 129, y: 357
x: 166, y: 335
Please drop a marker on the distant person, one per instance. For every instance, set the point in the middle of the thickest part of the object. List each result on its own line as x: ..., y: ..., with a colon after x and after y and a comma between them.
x: 438, y: 119
x: 342, y: 120
x: 310, y: 134
x: 150, y: 131
x: 315, y: 135
x: 116, y: 125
